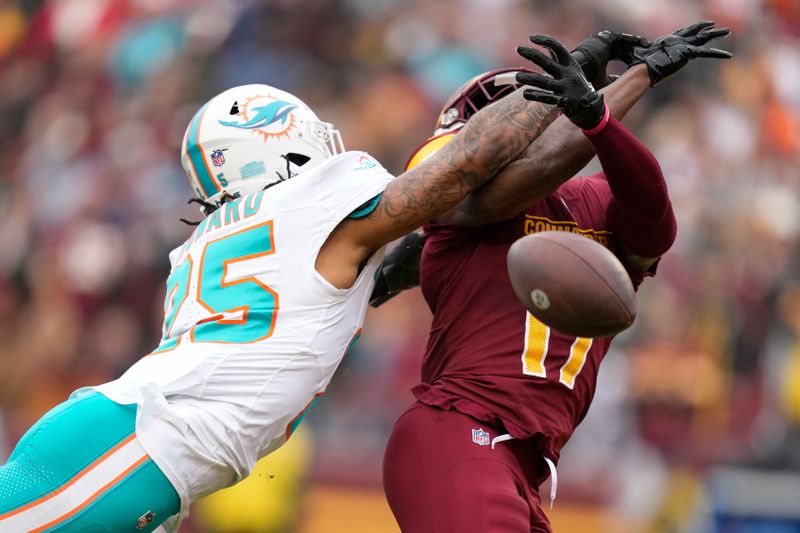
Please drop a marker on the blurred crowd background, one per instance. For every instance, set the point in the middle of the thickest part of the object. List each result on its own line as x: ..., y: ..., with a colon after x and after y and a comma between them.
x: 696, y: 424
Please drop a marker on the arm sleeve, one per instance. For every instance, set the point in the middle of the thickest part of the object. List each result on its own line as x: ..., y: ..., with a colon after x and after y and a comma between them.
x: 640, y: 213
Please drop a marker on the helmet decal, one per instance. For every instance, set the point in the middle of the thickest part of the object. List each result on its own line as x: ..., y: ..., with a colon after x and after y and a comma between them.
x: 266, y: 116
x: 197, y: 157
x: 218, y: 157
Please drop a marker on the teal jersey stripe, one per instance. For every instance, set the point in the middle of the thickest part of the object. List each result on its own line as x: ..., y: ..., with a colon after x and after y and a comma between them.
x: 366, y: 208
x: 195, y: 152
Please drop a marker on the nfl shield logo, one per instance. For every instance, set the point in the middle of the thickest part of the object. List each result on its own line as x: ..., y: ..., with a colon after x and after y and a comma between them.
x: 218, y: 158
x: 480, y: 437
x: 145, y: 520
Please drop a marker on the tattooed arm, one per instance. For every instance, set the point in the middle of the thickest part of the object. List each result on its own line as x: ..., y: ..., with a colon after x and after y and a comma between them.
x: 553, y: 158
x: 493, y: 138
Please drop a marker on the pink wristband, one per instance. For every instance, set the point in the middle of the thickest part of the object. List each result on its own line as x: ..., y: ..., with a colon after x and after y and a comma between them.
x: 602, y: 124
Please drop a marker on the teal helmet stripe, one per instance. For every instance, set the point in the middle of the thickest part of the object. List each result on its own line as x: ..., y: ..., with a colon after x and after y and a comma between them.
x: 195, y: 151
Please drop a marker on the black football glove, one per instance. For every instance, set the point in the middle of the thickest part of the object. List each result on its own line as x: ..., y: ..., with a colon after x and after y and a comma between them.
x: 670, y: 53
x: 568, y: 87
x: 594, y: 53
x: 399, y: 270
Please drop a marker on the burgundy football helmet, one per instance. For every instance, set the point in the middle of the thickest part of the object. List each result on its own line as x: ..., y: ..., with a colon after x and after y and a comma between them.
x: 470, y: 98
x: 476, y: 94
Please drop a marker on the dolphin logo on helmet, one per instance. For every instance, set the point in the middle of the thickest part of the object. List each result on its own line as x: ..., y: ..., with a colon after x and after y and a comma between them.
x: 265, y: 115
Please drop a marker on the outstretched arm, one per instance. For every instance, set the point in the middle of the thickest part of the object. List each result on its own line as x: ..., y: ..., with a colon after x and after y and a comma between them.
x: 560, y: 152
x: 494, y: 137
x: 640, y: 213
x: 400, y: 268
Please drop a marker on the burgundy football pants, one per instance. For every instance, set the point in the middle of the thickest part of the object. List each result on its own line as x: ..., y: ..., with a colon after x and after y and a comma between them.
x: 438, y: 480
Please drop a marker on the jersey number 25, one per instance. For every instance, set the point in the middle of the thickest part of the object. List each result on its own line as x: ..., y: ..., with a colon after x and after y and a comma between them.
x: 240, y: 310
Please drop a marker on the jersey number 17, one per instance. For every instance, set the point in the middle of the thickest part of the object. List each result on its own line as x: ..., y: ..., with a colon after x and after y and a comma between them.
x: 537, y: 339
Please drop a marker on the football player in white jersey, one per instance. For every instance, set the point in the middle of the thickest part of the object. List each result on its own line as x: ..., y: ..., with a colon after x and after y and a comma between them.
x: 262, y: 302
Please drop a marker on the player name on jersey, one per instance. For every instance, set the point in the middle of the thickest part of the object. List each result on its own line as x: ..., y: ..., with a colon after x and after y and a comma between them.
x: 230, y: 212
x: 535, y: 224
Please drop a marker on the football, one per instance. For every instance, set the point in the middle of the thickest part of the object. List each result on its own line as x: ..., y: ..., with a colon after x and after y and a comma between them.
x: 572, y: 284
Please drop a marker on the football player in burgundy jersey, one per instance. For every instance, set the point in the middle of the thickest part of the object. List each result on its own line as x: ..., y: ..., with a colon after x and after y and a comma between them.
x: 501, y: 393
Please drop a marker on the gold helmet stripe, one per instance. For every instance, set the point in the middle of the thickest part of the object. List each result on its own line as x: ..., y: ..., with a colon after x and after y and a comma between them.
x: 428, y: 148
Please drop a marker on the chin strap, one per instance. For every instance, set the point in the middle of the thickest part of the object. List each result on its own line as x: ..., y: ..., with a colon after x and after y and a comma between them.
x: 281, y: 179
x: 289, y: 173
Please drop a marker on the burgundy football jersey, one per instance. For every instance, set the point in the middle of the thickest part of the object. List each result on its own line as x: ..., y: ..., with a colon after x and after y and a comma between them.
x: 487, y: 357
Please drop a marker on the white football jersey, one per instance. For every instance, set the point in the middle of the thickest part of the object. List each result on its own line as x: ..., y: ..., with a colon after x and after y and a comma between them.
x: 252, y: 332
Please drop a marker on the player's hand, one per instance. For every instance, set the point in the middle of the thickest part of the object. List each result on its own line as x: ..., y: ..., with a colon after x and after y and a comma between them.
x: 399, y: 270
x: 594, y: 53
x: 670, y: 53
x: 567, y: 88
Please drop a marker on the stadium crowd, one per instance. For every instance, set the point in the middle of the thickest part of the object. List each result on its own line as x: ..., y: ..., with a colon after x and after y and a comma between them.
x: 95, y: 96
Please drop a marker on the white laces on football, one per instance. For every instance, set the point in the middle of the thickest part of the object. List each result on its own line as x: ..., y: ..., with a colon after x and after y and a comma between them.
x: 550, y: 464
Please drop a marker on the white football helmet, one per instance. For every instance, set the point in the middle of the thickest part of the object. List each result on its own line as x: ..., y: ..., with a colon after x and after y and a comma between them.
x: 250, y: 136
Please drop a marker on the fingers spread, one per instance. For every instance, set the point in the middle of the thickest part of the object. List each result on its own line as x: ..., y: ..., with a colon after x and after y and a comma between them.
x: 532, y: 54
x: 561, y: 53
x: 543, y: 97
x: 709, y: 35
x: 694, y: 28
x: 536, y: 80
x: 707, y: 51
